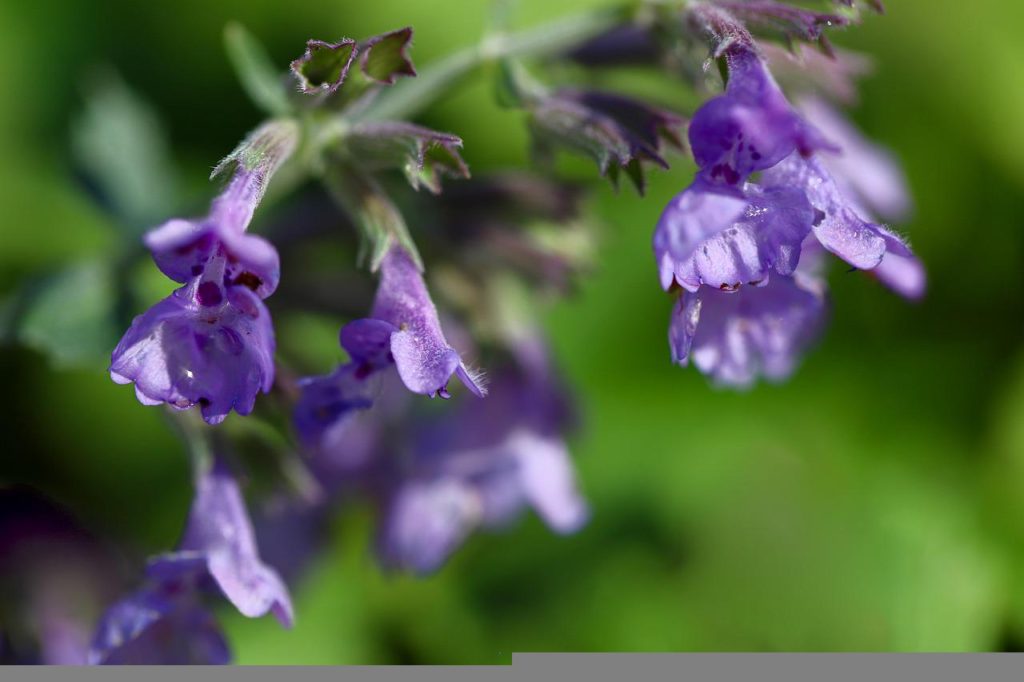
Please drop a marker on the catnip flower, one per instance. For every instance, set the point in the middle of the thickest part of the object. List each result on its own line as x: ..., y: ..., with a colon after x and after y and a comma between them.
x: 183, y: 248
x: 206, y: 344
x: 328, y: 403
x: 735, y: 337
x: 165, y: 620
x: 725, y: 237
x: 841, y: 229
x: 479, y: 468
x: 751, y: 126
x: 211, y: 343
x: 865, y: 170
x: 404, y: 332
x: 424, y: 360
x: 219, y: 541
x: 159, y: 625
x: 745, y: 251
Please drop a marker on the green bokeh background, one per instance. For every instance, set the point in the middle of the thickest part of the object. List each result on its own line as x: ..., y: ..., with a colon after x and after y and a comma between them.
x: 871, y: 503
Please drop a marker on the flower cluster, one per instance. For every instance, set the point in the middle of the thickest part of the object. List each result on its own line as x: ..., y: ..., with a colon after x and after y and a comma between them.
x: 745, y: 250
x: 778, y: 186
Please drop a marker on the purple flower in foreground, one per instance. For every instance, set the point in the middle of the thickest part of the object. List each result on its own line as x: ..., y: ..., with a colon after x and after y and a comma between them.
x: 841, y: 229
x: 734, y: 337
x: 211, y: 343
x: 156, y: 627
x: 751, y: 126
x: 868, y: 171
x: 182, y: 248
x: 219, y: 540
x: 725, y: 237
x: 418, y: 348
x: 205, y: 345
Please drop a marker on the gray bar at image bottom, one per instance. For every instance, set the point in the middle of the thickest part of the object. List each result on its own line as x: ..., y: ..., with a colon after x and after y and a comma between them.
x: 613, y: 667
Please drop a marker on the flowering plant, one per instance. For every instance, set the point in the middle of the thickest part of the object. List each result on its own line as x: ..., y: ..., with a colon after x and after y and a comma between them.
x: 781, y: 180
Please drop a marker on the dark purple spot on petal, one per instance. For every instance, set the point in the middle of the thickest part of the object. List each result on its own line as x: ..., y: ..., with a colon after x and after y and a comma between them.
x: 209, y: 294
x: 248, y: 279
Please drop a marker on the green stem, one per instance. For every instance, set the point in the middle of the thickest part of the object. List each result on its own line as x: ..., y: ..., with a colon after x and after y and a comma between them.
x: 197, y: 439
x: 408, y: 98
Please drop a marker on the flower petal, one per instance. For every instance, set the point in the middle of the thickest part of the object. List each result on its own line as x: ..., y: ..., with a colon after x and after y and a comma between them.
x: 219, y: 528
x: 837, y: 226
x: 736, y: 337
x: 424, y: 359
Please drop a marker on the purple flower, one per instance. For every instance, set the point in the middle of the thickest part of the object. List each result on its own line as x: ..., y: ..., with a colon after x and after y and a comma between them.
x: 725, y: 237
x: 751, y: 126
x: 205, y: 344
x: 328, y: 403
x: 423, y: 357
x: 182, y: 248
x: 211, y: 343
x: 841, y: 229
x: 219, y: 540
x: 157, y: 627
x: 425, y: 522
x: 868, y: 171
x: 757, y: 331
x: 432, y: 512
x: 479, y: 468
x: 164, y: 621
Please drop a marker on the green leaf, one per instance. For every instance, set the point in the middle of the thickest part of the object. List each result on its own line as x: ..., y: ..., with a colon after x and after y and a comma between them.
x: 259, y: 78
x: 424, y: 155
x: 70, y: 315
x: 324, y: 66
x: 384, y: 57
x: 120, y: 143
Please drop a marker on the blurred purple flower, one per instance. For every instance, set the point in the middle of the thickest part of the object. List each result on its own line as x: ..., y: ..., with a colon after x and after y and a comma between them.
x: 327, y: 403
x: 219, y: 540
x: 479, y: 468
x: 430, y: 513
x: 55, y: 577
x: 206, y: 344
x: 156, y: 626
x: 164, y: 621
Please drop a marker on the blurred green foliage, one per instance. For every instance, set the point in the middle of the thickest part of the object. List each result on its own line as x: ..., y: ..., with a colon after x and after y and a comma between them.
x: 872, y: 503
